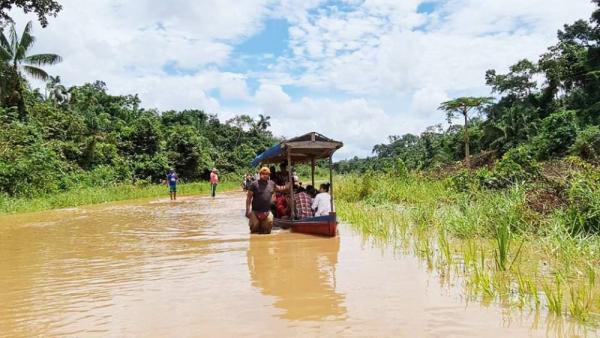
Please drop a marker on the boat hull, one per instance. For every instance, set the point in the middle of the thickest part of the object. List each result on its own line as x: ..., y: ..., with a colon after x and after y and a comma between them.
x: 321, y: 226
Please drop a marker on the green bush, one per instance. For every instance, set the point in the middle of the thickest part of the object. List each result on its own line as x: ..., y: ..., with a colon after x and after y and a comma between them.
x: 488, y: 179
x: 516, y: 166
x: 152, y: 168
x: 400, y: 169
x: 463, y: 181
x: 557, y: 133
x: 587, y: 144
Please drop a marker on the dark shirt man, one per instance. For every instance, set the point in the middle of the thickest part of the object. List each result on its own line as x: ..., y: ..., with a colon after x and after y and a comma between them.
x: 258, y: 202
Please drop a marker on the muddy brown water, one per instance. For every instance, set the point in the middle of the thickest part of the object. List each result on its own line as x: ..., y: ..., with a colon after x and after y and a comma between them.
x: 190, y: 269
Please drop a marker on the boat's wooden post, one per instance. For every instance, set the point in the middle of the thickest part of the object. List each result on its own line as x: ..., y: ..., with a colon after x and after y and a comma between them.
x: 312, y: 170
x: 291, y: 180
x: 331, y: 183
x: 312, y: 162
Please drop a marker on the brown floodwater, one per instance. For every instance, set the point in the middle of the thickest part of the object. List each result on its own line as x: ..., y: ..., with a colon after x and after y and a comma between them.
x: 191, y: 269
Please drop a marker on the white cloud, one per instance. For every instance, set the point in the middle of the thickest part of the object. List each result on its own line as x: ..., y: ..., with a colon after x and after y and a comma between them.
x: 127, y: 44
x: 359, y: 123
x: 386, y: 46
x: 384, y: 49
x: 425, y: 101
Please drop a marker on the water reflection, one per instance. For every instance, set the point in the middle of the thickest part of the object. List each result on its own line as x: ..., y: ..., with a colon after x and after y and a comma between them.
x: 299, y: 271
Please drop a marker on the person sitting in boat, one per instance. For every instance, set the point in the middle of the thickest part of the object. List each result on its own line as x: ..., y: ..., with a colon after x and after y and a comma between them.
x: 283, y: 174
x: 311, y: 191
x: 258, y: 202
x: 322, y: 202
x: 303, y: 202
x: 283, y: 171
x: 282, y: 203
x: 273, y: 176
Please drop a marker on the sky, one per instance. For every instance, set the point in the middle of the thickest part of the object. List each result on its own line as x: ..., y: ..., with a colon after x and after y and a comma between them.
x: 356, y: 71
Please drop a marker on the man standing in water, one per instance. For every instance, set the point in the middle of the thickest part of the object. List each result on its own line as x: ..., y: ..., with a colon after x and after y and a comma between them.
x: 214, y: 180
x: 172, y: 183
x: 258, y: 202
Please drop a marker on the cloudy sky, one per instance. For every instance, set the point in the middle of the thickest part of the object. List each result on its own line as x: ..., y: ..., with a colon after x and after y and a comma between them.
x: 354, y: 70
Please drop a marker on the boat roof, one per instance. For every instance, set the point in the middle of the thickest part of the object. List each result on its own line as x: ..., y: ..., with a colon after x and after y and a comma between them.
x: 303, y: 148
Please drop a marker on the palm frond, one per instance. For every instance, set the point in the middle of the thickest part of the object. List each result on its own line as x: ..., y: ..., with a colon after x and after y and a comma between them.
x: 14, y: 39
x: 5, y: 47
x: 36, y: 73
x: 5, y: 54
x: 26, y: 42
x: 43, y: 59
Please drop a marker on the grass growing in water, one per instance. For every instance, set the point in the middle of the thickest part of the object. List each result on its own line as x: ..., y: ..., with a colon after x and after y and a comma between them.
x: 504, y: 238
x: 492, y: 238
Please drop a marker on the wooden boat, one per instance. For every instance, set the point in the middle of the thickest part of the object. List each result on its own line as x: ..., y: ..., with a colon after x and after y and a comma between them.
x: 322, y: 225
x: 305, y: 149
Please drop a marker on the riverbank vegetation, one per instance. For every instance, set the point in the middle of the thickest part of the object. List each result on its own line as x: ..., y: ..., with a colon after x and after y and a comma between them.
x: 60, y: 142
x: 88, y: 195
x: 510, y: 199
x: 501, y: 242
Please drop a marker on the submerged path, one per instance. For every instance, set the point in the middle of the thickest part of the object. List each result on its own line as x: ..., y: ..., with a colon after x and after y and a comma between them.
x: 190, y: 269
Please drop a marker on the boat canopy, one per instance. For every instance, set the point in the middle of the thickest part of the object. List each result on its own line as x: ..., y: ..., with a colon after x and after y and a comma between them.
x: 305, y: 148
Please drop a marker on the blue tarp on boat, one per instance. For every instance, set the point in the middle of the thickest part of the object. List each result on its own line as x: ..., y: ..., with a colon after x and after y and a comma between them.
x: 273, y: 151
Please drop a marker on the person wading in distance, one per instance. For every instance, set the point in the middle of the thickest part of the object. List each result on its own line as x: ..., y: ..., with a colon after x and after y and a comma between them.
x: 172, y: 184
x: 214, y: 181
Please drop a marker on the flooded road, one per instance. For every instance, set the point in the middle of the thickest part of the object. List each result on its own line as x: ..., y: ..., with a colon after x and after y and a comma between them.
x: 191, y: 269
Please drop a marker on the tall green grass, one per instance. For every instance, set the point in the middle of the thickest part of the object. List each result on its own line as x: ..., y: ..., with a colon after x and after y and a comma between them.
x: 96, y: 195
x: 505, y: 251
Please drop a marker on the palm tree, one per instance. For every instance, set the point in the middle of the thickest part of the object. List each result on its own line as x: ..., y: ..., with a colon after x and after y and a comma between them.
x: 263, y: 122
x: 14, y: 55
x: 57, y: 91
x: 463, y: 105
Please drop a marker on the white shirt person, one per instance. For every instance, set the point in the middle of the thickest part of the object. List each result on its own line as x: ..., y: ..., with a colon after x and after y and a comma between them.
x: 322, y: 202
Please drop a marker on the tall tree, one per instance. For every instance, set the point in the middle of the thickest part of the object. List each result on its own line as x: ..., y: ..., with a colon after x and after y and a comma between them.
x: 56, y: 91
x: 14, y: 54
x: 43, y: 9
x: 463, y: 105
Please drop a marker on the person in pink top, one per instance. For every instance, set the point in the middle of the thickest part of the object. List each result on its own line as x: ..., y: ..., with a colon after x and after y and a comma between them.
x: 214, y: 180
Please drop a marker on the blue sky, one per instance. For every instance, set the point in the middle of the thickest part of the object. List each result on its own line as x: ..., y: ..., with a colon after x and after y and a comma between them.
x: 355, y: 70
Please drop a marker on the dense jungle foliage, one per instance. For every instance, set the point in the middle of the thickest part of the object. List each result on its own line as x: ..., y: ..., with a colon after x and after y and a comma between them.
x: 82, y: 136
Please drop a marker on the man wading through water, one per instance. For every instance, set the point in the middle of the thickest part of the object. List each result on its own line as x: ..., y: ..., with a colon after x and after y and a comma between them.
x: 172, y: 183
x: 214, y: 181
x: 260, y: 195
